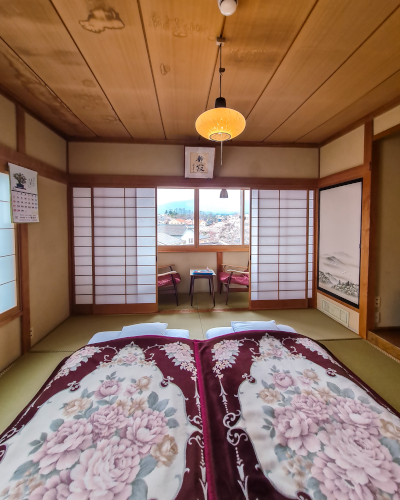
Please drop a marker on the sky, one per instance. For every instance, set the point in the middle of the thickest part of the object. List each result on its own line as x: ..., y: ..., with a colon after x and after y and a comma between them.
x: 209, y: 198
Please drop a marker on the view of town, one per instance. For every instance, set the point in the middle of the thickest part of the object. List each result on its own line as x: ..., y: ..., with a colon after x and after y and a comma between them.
x: 216, y: 226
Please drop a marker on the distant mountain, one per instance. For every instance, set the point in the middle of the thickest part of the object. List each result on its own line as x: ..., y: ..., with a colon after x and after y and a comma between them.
x: 188, y: 205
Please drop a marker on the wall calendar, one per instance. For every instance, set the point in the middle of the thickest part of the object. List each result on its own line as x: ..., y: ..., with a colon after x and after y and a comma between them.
x: 24, y: 194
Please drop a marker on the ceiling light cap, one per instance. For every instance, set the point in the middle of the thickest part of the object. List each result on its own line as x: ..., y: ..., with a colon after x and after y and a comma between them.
x: 227, y: 7
x: 220, y: 102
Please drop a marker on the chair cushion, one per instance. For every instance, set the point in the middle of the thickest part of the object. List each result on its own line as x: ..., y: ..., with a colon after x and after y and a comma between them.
x: 167, y: 280
x: 237, y: 279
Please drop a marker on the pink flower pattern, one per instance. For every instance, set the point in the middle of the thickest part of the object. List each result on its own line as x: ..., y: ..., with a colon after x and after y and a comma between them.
x: 107, y: 420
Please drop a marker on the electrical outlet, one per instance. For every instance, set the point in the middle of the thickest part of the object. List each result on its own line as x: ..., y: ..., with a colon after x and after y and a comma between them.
x: 377, y: 317
x: 377, y: 302
x: 31, y: 332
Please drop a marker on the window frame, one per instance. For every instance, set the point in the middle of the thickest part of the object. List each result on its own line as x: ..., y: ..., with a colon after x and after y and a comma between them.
x: 196, y: 247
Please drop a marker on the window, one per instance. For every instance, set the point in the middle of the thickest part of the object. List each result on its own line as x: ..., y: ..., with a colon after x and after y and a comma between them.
x: 8, y: 262
x: 175, y: 217
x: 215, y: 222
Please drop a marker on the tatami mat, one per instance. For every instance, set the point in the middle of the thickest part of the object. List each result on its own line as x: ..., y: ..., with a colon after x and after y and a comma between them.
x: 19, y: 384
x: 376, y: 369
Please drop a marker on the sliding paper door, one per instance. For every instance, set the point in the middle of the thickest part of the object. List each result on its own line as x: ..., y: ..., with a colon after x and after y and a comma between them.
x: 122, y: 269
x: 280, y: 271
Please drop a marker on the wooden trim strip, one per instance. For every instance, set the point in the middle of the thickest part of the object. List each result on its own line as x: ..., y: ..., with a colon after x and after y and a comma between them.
x: 368, y: 133
x: 100, y: 180
x: 45, y: 170
x: 334, y: 299
x: 10, y: 318
x: 192, y: 143
x: 345, y: 175
x: 24, y: 287
x: 205, y: 248
x: 385, y: 133
x: 21, y: 142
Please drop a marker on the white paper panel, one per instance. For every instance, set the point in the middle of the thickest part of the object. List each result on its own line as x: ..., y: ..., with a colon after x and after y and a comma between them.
x: 110, y: 280
x: 82, y: 202
x: 146, y: 212
x: 110, y: 289
x: 267, y: 231
x: 83, y: 280
x: 292, y: 277
x: 141, y: 299
x: 140, y: 289
x: 146, y: 280
x: 292, y: 285
x: 110, y: 299
x: 141, y: 270
x: 268, y: 212
x: 293, y: 195
x: 111, y: 241
x: 268, y: 194
x: 292, y: 295
x: 293, y: 231
x: 268, y: 240
x: 131, y: 260
x: 7, y: 269
x: 84, y: 299
x: 8, y: 296
x: 83, y: 289
x: 110, y: 270
x: 82, y: 221
x: 292, y: 259
x: 82, y: 193
x: 293, y: 222
x: 130, y: 192
x: 293, y: 203
x: 83, y: 261
x: 109, y: 221
x: 293, y: 212
x: 143, y: 241
x: 130, y: 202
x: 146, y: 261
x: 7, y: 244
x: 264, y: 286
x: 5, y: 216
x: 131, y: 251
x: 131, y: 270
x: 82, y: 212
x: 292, y: 268
x: 130, y: 222
x: 146, y: 222
x: 131, y: 212
x: 131, y: 241
x: 267, y: 277
x: 293, y: 249
x: 83, y: 251
x: 83, y: 241
x: 268, y: 259
x: 109, y: 231
x: 309, y: 293
x: 109, y: 261
x: 266, y: 203
x: 293, y: 240
x: 83, y: 270
x: 146, y: 231
x: 268, y: 222
x: 267, y: 250
x: 130, y: 231
x: 145, y: 202
x: 267, y: 268
x: 264, y: 296
x: 83, y: 231
x: 109, y: 212
x: 145, y: 192
x: 108, y: 202
x: 146, y: 250
x: 131, y: 280
x: 109, y: 251
x: 108, y: 192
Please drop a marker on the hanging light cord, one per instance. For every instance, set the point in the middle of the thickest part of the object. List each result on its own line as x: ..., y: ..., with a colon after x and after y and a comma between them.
x: 220, y: 67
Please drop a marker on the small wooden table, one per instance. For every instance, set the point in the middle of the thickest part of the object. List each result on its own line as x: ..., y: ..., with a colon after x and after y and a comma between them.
x: 209, y: 277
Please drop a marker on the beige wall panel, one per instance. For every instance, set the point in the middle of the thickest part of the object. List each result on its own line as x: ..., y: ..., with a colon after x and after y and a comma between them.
x: 48, y: 260
x: 343, y: 153
x: 186, y: 261
x: 387, y: 120
x: 10, y: 343
x: 44, y: 144
x: 354, y: 316
x: 388, y: 226
x: 143, y: 159
x: 8, y: 124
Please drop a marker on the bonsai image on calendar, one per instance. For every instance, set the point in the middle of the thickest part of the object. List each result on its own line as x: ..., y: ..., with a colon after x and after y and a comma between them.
x: 21, y: 180
x: 340, y: 241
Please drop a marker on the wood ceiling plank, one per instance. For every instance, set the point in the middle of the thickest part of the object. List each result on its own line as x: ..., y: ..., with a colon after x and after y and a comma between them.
x: 112, y: 41
x: 334, y: 30
x: 257, y: 38
x: 27, y: 88
x: 181, y: 38
x: 375, y: 61
x: 37, y: 35
x: 386, y: 92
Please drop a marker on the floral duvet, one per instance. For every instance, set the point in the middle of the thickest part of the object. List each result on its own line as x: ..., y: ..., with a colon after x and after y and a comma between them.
x: 254, y: 415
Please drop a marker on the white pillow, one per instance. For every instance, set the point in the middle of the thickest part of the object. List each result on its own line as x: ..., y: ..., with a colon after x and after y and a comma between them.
x: 176, y: 332
x: 143, y: 329
x: 246, y: 326
x: 103, y: 337
x: 217, y: 332
x: 285, y: 328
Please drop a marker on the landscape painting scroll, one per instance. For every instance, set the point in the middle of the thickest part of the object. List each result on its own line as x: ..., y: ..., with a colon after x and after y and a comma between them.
x: 340, y: 241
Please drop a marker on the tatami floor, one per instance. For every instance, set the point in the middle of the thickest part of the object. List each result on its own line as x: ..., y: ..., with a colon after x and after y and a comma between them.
x: 24, y: 378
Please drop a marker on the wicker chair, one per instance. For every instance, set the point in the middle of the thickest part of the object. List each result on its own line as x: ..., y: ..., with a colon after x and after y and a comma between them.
x: 233, y: 275
x: 168, y: 281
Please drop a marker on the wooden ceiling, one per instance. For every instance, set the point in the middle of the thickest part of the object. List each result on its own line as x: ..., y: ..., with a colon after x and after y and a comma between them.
x: 299, y: 71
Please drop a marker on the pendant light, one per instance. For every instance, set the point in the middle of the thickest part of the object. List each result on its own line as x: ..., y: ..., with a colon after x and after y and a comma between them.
x: 223, y: 193
x: 221, y: 123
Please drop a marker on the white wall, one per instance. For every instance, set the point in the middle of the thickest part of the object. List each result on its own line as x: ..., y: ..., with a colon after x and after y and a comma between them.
x: 44, y: 144
x: 343, y: 153
x: 387, y: 120
x: 145, y: 159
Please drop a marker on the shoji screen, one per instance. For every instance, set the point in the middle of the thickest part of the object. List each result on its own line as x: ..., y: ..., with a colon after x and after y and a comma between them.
x: 8, y: 268
x: 122, y: 263
x: 279, y: 248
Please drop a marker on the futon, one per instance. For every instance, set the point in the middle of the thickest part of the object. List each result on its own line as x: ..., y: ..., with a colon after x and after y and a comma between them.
x: 250, y: 415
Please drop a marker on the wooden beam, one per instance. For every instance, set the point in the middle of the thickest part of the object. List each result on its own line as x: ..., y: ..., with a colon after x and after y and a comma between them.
x: 368, y: 133
x: 346, y: 175
x: 193, y: 143
x: 88, y: 180
x: 24, y: 287
x: 202, y: 248
x: 21, y: 142
x: 385, y: 133
x: 44, y: 169
x: 220, y: 256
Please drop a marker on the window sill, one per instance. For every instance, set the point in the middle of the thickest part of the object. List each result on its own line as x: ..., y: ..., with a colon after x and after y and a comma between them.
x: 8, y: 316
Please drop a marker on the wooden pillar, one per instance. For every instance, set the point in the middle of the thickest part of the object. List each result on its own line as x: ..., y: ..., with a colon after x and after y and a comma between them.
x: 23, y: 253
